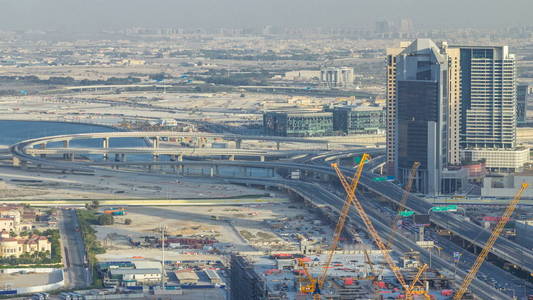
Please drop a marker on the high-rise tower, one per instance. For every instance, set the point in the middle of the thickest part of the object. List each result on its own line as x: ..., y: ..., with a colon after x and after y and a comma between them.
x: 488, y: 97
x: 489, y: 108
x: 423, y: 93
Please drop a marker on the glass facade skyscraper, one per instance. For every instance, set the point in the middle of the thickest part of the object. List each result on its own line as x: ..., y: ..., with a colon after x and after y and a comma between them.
x: 488, y: 98
x: 421, y: 126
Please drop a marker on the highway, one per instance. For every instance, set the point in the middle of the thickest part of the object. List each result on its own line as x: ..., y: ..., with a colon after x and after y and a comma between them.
x: 76, y: 273
x: 316, y: 194
x: 504, y: 248
x: 169, y: 151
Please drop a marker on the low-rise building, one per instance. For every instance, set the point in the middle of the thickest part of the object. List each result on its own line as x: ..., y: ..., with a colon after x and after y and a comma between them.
x: 213, y: 276
x: 132, y: 277
x: 359, y: 120
x: 506, y: 186
x: 298, y: 124
x: 498, y: 160
x: 17, y: 246
x: 187, y: 277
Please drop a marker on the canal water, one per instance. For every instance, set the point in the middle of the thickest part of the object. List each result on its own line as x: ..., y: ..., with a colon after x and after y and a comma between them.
x: 12, y: 132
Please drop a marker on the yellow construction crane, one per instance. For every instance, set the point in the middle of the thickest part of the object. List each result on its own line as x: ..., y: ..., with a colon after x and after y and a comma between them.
x: 490, y: 243
x: 373, y: 232
x: 342, y: 219
x: 309, y: 287
x: 403, y: 201
x: 418, y: 290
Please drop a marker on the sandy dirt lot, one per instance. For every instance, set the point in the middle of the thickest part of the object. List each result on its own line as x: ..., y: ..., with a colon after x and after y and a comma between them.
x: 237, y: 228
x: 16, y: 184
x: 26, y: 280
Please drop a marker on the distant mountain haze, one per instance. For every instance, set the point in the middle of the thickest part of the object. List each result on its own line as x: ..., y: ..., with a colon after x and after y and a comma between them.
x: 93, y: 15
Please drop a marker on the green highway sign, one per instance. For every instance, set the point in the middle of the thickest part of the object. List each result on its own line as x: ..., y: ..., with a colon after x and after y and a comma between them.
x: 407, y: 213
x: 380, y: 179
x: 445, y: 208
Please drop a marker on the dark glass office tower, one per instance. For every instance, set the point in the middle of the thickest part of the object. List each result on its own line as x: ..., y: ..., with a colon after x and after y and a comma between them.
x: 422, y: 92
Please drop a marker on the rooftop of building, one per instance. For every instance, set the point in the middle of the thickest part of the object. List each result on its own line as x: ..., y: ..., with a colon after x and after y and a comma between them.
x: 302, y: 113
x: 186, y: 275
x: 360, y: 108
x: 125, y: 271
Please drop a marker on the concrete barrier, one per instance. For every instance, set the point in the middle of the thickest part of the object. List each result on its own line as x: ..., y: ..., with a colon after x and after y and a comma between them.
x: 38, y: 288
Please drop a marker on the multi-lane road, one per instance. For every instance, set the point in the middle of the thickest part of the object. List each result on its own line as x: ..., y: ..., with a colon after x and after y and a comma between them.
x: 315, y: 193
x: 77, y: 274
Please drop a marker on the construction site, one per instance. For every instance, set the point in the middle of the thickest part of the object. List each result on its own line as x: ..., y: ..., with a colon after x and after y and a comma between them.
x: 358, y: 262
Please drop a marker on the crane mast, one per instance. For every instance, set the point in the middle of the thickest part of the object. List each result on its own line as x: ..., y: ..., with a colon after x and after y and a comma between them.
x: 370, y: 228
x: 490, y: 243
x: 403, y: 201
x: 342, y: 218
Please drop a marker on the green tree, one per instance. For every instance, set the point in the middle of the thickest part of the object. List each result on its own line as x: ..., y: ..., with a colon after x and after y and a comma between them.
x: 95, y: 204
x: 105, y: 219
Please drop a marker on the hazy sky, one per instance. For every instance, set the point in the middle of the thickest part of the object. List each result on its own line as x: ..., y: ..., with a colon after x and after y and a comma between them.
x: 91, y: 15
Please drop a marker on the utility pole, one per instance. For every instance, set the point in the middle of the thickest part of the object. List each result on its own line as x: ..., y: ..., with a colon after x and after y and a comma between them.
x: 162, y: 256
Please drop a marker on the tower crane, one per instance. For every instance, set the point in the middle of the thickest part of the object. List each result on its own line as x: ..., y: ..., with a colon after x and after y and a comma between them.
x: 342, y: 219
x: 314, y: 286
x: 490, y: 242
x: 373, y: 232
x: 403, y: 201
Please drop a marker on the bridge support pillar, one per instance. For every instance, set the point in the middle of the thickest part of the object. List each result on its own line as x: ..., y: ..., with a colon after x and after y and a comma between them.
x: 238, y: 144
x: 123, y: 157
x: 155, y: 142
x: 180, y: 157
x: 105, y: 145
x: 16, y: 161
x: 66, y: 144
x: 231, y: 157
x: 262, y: 158
x: 211, y: 172
x: 278, y: 145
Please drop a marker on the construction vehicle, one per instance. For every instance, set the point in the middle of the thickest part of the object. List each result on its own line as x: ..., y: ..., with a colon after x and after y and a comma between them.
x: 490, y: 243
x: 409, y: 290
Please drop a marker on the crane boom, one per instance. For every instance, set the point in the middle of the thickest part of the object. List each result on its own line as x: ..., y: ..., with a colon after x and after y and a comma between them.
x: 405, y: 195
x: 371, y: 229
x: 421, y: 270
x: 342, y: 218
x: 490, y: 243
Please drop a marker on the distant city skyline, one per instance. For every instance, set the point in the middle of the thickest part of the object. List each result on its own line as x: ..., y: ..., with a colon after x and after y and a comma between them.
x: 93, y: 15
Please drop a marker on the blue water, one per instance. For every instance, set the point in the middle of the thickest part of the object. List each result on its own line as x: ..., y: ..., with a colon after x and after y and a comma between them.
x: 12, y: 132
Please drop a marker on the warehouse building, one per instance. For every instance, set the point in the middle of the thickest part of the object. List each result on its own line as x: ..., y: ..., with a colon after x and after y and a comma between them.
x: 359, y: 120
x: 187, y: 277
x: 133, y: 277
